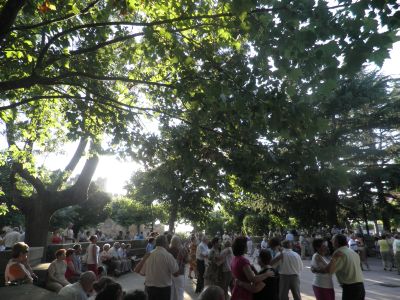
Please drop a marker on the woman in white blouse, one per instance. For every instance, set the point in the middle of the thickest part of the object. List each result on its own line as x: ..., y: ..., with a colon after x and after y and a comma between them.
x: 56, y: 272
x: 322, y: 282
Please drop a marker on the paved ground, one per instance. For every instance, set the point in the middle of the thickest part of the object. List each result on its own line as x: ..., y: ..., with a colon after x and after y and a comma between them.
x: 380, y: 285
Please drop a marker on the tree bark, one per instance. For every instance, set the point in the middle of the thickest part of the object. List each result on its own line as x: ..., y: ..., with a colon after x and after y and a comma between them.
x: 331, y: 208
x: 8, y: 15
x: 172, y: 217
x: 37, y: 223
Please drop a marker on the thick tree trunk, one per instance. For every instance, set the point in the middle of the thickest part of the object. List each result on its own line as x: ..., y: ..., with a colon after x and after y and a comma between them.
x: 331, y: 208
x: 383, y: 205
x: 37, y: 224
x: 172, y: 218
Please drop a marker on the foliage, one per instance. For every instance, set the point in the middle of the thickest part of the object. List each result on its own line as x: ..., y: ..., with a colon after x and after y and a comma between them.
x: 89, y: 213
x: 126, y: 212
x: 255, y: 225
x: 246, y: 83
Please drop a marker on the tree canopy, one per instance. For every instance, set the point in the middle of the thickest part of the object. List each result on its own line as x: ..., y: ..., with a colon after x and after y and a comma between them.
x: 250, y: 81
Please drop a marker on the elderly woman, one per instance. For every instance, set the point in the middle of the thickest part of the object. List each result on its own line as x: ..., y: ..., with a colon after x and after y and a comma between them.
x: 56, y: 272
x: 17, y: 269
x: 180, y: 254
x: 246, y: 282
x: 93, y: 252
x: 71, y: 274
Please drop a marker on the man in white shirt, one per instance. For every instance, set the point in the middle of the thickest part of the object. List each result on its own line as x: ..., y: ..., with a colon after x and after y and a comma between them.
x: 201, y: 255
x: 12, y: 237
x: 289, y: 236
x: 289, y: 271
x: 264, y: 243
x: 69, y: 234
x: 159, y: 268
x: 79, y: 290
x: 353, y: 243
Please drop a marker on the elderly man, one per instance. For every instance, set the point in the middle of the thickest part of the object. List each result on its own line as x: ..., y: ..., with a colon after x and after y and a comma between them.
x: 81, y: 289
x: 159, y: 267
x: 201, y: 255
x: 345, y: 264
x: 289, y: 272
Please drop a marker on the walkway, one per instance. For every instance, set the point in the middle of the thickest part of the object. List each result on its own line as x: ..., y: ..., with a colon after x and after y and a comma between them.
x: 380, y: 285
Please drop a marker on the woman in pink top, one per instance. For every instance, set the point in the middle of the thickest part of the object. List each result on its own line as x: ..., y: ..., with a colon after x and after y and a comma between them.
x: 246, y: 282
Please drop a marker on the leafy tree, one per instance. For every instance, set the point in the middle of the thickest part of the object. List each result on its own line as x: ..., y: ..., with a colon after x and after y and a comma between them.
x: 87, y: 214
x: 240, y: 73
x: 126, y: 212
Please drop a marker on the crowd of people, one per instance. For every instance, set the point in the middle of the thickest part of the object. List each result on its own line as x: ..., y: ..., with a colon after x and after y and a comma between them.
x: 223, y: 266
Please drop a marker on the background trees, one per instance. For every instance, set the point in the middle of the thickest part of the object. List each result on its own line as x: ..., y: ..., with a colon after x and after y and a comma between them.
x: 247, y: 80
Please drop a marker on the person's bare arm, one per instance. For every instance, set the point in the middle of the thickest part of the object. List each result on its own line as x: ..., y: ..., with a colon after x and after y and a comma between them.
x: 141, y: 263
x: 253, y: 288
x: 256, y: 278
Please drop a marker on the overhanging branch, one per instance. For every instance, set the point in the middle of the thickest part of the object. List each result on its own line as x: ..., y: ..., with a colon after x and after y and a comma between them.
x: 34, y: 181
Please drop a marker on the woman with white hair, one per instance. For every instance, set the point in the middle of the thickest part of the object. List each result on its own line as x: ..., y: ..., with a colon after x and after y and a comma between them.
x: 181, y: 255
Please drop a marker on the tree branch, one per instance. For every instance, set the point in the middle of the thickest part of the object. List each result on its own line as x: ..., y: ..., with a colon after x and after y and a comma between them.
x: 35, y: 98
x: 79, y: 191
x: 35, y: 182
x: 8, y: 15
x: 72, y: 164
x: 63, y: 18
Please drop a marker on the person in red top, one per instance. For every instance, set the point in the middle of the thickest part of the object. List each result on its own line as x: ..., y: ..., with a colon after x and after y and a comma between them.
x: 246, y: 282
x: 71, y: 274
x: 56, y: 237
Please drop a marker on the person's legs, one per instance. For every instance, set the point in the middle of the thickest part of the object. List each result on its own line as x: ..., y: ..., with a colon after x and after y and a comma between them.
x: 200, y: 275
x: 353, y: 292
x: 295, y: 286
x: 284, y: 285
x: 156, y: 293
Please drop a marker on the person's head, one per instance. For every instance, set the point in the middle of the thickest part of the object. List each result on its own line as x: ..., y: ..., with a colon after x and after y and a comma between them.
x: 227, y: 244
x: 339, y: 240
x: 215, y: 242
x: 60, y: 254
x: 106, y: 247
x: 20, y: 251
x: 175, y: 242
x: 319, y: 246
x: 99, y: 285
x: 161, y: 241
x: 204, y: 239
x: 69, y: 252
x: 116, y: 245
x: 70, y: 225
x: 86, y: 280
x: 112, y: 291
x: 239, y: 246
x: 120, y: 232
x: 264, y: 258
x: 93, y: 238
x: 136, y: 295
x: 16, y: 229
x: 274, y: 242
x: 123, y: 245
x: 151, y: 240
x: 77, y: 248
x: 212, y: 292
x: 397, y: 236
x: 88, y: 233
x: 287, y: 244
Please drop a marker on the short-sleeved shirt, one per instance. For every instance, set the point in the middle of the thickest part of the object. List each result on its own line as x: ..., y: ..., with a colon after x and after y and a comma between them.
x: 159, y: 268
x: 202, y: 249
x: 384, y: 245
x: 237, y: 265
x: 322, y: 280
x: 348, y: 269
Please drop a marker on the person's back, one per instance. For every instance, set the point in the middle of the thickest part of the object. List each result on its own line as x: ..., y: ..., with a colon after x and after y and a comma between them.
x: 271, y: 288
x: 348, y: 270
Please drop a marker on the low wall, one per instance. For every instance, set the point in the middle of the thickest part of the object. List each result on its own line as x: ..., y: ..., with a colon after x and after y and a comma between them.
x: 138, y: 247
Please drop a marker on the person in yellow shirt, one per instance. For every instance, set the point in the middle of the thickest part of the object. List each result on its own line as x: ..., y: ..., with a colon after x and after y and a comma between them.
x: 345, y: 263
x: 385, y: 250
